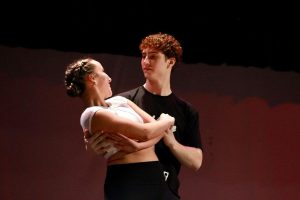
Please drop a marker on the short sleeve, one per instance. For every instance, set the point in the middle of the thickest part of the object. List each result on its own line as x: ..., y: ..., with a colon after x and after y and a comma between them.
x: 86, y: 117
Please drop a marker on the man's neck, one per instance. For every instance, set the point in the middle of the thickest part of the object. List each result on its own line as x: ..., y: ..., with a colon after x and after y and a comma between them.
x: 162, y: 90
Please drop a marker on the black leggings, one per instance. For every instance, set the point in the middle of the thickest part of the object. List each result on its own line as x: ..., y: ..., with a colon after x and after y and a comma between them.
x: 136, y: 181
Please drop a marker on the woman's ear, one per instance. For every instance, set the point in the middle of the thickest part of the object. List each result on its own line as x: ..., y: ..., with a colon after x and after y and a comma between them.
x: 91, y: 79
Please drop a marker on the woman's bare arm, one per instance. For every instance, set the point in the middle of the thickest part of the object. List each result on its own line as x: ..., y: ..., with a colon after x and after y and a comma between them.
x: 109, y: 122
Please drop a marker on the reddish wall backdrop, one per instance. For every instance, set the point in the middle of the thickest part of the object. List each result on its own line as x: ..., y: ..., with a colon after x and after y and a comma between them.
x: 249, y: 121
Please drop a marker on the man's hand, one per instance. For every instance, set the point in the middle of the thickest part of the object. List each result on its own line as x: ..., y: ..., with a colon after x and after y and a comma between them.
x: 124, y: 143
x: 101, y: 142
x: 169, y: 138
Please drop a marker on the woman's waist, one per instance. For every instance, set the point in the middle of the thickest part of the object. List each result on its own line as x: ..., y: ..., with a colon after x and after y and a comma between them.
x: 145, y: 155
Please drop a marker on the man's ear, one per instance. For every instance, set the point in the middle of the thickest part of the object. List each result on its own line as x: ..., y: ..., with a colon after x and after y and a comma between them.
x: 172, y: 62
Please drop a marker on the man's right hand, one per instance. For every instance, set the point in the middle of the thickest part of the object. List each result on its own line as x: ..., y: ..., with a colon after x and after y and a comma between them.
x: 99, y: 142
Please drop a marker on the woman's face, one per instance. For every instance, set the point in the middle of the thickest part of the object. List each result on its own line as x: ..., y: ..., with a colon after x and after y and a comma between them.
x: 102, y: 80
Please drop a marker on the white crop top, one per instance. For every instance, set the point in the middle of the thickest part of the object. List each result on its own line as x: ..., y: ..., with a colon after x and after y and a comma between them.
x: 117, y: 105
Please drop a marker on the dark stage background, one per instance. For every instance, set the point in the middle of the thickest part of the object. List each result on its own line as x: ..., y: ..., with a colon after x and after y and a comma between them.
x: 249, y: 121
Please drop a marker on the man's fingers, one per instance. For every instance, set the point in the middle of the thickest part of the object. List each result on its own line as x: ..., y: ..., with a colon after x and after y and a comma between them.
x: 115, y: 137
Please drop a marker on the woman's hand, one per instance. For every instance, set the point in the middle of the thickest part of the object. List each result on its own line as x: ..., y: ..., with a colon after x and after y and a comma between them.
x: 164, y: 116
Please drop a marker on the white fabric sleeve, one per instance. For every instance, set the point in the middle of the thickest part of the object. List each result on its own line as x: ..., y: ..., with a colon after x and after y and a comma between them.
x: 86, y: 121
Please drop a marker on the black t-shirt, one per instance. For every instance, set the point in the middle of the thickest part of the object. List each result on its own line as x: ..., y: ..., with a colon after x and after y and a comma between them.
x: 186, y: 121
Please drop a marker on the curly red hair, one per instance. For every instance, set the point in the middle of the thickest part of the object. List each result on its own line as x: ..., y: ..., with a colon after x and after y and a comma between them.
x: 165, y: 43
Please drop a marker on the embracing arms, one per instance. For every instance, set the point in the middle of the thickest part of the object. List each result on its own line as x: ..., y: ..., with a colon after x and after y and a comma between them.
x: 109, y: 122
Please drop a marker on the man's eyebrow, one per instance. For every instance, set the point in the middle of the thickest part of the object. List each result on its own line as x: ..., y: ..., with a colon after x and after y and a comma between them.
x: 151, y: 52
